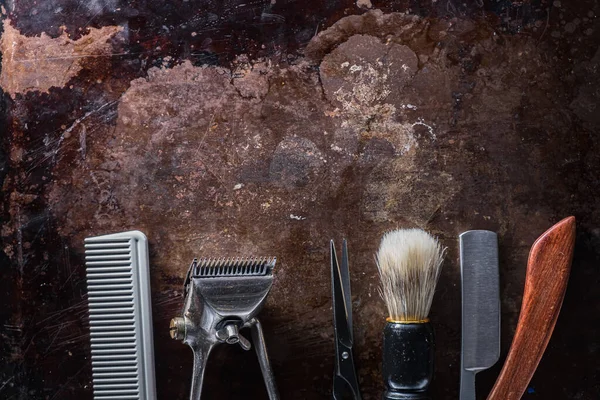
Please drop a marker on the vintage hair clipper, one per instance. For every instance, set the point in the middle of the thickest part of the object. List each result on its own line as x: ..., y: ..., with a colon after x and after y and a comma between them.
x: 223, y: 296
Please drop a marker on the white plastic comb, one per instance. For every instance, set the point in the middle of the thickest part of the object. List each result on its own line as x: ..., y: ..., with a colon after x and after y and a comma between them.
x: 120, y: 310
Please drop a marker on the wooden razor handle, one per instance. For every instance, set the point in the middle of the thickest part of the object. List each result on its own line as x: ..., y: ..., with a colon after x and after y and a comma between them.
x: 548, y: 270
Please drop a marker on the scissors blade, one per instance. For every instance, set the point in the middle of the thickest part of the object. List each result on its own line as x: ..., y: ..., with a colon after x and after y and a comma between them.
x: 345, y: 278
x: 342, y: 306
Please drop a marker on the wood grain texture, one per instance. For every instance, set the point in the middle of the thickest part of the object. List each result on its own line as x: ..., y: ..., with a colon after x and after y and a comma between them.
x: 548, y: 270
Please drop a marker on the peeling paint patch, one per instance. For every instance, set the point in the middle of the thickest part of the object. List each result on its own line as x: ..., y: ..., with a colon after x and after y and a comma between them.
x: 42, y: 62
x: 362, y: 91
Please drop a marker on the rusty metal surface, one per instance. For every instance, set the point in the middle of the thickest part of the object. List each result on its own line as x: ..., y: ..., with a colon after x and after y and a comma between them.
x: 232, y: 128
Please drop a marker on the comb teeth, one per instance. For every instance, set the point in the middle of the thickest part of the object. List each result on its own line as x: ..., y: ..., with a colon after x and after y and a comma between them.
x: 249, y: 266
x: 120, y: 316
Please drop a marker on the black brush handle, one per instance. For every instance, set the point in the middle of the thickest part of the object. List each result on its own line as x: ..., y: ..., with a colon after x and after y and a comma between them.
x: 408, y: 352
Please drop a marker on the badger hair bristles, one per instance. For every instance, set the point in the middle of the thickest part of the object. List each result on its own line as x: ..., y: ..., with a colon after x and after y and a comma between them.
x: 409, y: 263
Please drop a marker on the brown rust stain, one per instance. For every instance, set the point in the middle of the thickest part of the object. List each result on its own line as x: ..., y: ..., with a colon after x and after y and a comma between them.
x: 41, y: 62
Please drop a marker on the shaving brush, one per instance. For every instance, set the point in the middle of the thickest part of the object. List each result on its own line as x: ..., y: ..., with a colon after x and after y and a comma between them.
x: 409, y: 263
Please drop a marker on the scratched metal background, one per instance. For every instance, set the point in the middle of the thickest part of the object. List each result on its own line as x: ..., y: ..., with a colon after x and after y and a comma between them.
x: 244, y: 136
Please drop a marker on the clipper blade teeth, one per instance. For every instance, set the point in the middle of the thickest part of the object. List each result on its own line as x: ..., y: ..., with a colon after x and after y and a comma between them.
x: 239, y: 266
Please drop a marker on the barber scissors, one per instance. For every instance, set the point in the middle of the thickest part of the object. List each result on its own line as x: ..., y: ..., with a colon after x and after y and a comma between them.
x: 345, y: 384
